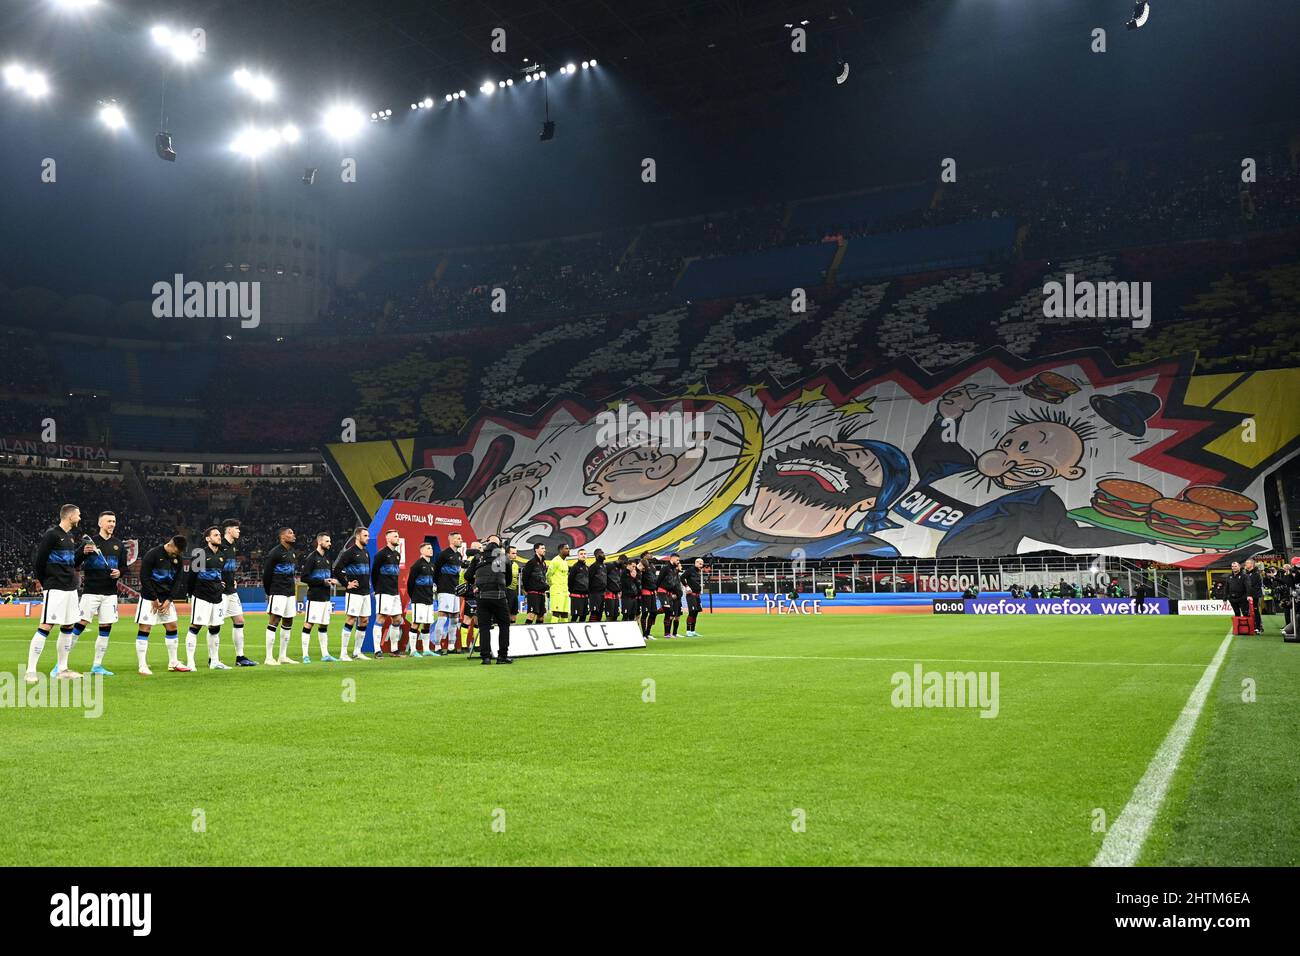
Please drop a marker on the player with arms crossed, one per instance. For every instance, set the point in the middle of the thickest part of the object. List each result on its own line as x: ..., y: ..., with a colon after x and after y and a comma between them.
x: 353, y: 568
x: 279, y: 573
x: 232, y: 608
x: 162, y: 582
x: 207, y: 590
x: 579, y: 581
x: 318, y: 575
x: 419, y: 587
x: 100, y: 571
x: 55, y: 563
x: 670, y: 594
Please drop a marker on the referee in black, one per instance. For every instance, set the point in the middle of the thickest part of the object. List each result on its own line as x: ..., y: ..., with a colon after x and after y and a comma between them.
x: 492, y: 582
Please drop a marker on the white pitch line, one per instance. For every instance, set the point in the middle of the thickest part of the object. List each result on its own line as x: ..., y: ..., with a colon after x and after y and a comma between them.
x: 1125, y: 839
x: 658, y: 655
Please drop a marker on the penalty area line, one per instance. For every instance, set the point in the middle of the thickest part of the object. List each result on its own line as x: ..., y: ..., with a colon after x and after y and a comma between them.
x: 1124, y: 841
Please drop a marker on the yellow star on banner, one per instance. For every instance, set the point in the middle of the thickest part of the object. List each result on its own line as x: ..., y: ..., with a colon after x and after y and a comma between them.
x: 614, y: 405
x: 694, y: 389
x: 755, y: 389
x: 684, y: 544
x: 860, y: 407
x: 809, y: 396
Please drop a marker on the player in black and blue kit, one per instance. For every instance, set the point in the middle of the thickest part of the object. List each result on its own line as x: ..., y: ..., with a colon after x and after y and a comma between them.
x: 384, y: 572
x: 353, y: 569
x: 207, y: 588
x: 55, y: 563
x: 318, y: 575
x: 419, y: 588
x: 162, y: 584
x: 100, y: 570
x: 280, y: 582
x: 232, y: 608
x: 446, y: 575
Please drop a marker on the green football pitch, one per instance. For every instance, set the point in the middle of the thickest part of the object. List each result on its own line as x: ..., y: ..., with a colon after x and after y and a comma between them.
x: 766, y: 741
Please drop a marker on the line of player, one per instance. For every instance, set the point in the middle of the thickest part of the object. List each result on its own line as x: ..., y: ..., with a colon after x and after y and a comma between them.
x: 565, y: 589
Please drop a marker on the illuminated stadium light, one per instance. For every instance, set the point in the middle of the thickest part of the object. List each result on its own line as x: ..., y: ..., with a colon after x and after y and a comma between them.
x: 427, y: 102
x: 75, y: 5
x: 290, y: 133
x: 30, y: 82
x: 343, y: 122
x: 501, y: 84
x: 487, y: 87
x: 570, y: 68
x: 586, y: 64
x: 254, y: 142
x: 510, y: 82
x: 593, y: 62
x: 111, y: 115
x: 182, y: 46
x: 1141, y: 13
x: 449, y: 97
x: 542, y: 74
x: 461, y: 94
x: 259, y: 87
x: 528, y: 78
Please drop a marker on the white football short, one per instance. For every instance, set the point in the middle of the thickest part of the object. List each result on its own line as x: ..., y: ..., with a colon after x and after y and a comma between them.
x: 102, y: 606
x: 148, y: 617
x: 448, y: 603
x: 422, y: 613
x: 231, y: 606
x: 390, y: 604
x: 357, y: 605
x: 282, y: 605
x: 318, y: 612
x: 60, y: 607
x: 207, y: 613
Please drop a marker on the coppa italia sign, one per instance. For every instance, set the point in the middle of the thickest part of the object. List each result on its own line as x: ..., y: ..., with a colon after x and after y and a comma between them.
x: 536, y: 640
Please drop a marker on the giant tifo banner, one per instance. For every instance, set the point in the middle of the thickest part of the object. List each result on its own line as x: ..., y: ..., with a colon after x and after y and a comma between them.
x: 994, y: 457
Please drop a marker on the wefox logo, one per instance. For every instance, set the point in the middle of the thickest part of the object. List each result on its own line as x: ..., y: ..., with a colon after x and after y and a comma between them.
x: 103, y: 909
x: 923, y: 688
x: 1098, y: 300
x: 209, y: 300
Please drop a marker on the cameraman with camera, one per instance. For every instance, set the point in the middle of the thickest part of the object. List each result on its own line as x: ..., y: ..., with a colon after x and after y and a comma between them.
x: 489, y: 574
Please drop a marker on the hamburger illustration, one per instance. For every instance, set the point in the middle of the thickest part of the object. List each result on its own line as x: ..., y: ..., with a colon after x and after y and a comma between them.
x: 1050, y: 387
x: 1183, y: 519
x: 1121, y: 498
x: 1236, y: 511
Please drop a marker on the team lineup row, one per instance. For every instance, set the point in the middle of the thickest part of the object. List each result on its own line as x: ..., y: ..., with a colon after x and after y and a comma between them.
x: 79, y: 575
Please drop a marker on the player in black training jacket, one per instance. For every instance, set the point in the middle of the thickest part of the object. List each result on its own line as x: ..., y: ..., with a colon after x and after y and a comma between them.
x: 232, y: 607
x: 534, y: 584
x: 613, y: 587
x: 207, y: 586
x: 162, y: 584
x: 55, y: 563
x: 353, y: 569
x: 100, y: 571
x: 446, y: 580
x: 670, y: 593
x: 631, y: 597
x: 693, y: 581
x: 279, y: 580
x: 579, y: 577
x: 419, y: 588
x: 318, y: 575
x: 385, y: 571
x: 596, y: 581
x: 649, y: 608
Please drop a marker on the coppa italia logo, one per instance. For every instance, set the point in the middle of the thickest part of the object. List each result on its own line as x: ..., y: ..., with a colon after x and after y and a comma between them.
x: 949, y: 607
x: 418, y: 519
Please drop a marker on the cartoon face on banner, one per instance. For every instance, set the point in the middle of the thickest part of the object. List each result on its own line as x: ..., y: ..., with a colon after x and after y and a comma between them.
x: 996, y: 458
